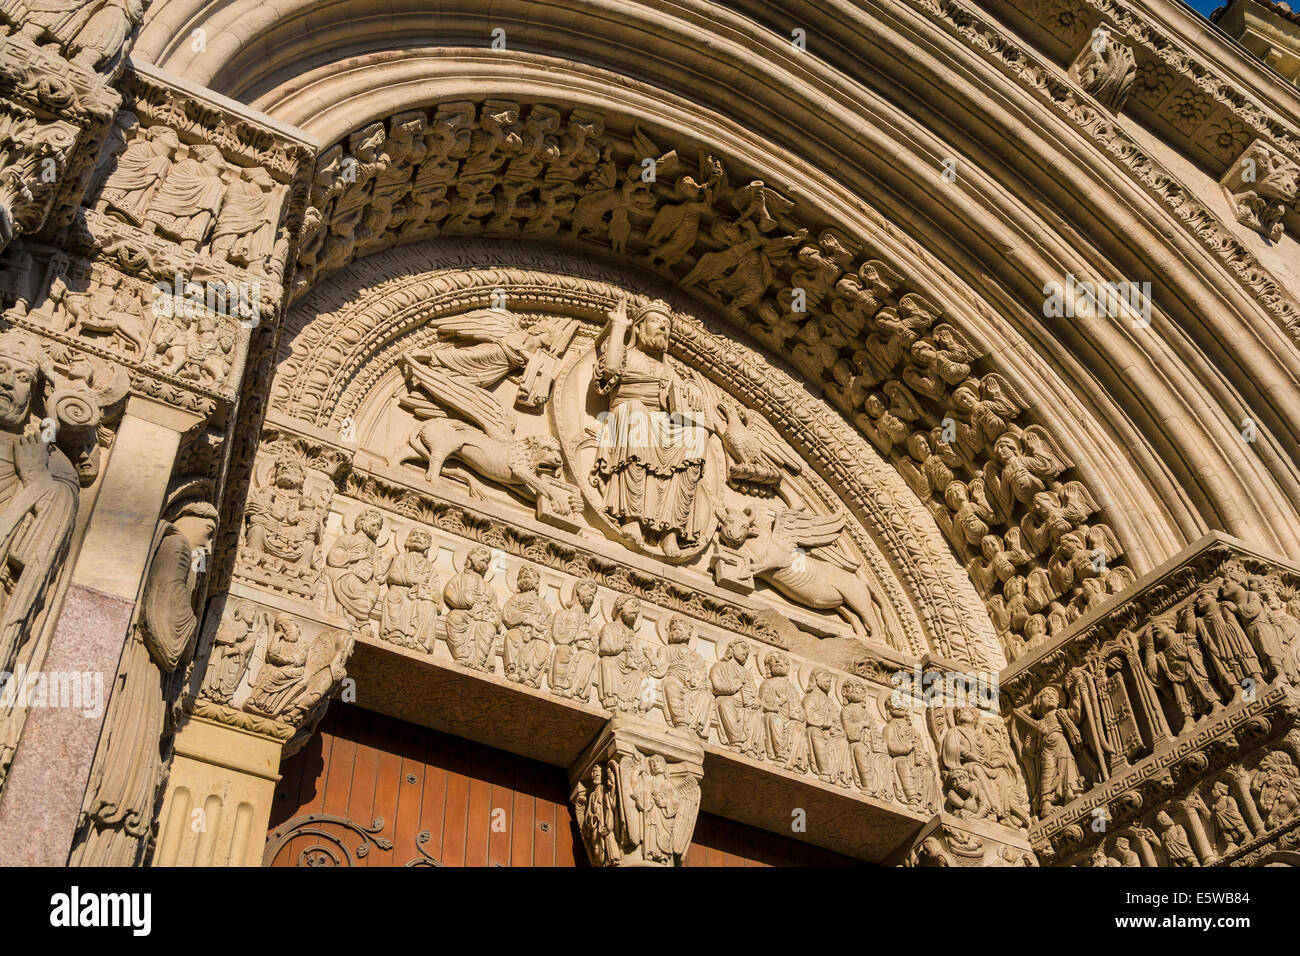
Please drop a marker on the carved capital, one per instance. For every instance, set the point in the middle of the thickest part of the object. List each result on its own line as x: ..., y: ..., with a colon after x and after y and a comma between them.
x: 636, y: 794
x: 945, y: 841
x: 269, y: 665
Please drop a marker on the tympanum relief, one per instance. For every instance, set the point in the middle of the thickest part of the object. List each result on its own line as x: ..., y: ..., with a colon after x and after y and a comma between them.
x: 600, y: 430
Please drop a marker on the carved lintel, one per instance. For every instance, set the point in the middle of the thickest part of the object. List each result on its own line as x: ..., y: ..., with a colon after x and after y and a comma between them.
x: 1261, y: 184
x: 636, y: 794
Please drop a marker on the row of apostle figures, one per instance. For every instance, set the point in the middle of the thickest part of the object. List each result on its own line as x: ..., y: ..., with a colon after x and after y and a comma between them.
x: 839, y: 736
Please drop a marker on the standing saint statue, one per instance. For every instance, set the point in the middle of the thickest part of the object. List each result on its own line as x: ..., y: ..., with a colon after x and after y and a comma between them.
x: 574, y: 634
x: 473, y: 617
x: 118, y: 820
x: 651, y: 448
x: 410, y: 605
x: 38, y: 492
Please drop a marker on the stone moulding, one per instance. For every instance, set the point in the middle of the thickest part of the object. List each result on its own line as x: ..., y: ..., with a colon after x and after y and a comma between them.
x: 489, y: 709
x: 1154, y: 40
x: 1050, y: 86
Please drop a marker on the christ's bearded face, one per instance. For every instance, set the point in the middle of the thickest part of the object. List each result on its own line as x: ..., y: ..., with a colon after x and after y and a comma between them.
x: 654, y: 331
x: 16, y: 381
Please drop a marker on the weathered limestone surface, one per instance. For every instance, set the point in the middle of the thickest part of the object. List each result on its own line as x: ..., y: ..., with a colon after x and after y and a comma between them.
x: 760, y: 434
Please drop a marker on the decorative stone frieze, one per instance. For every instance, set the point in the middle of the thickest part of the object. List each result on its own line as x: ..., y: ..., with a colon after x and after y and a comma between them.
x: 55, y: 112
x: 1154, y: 699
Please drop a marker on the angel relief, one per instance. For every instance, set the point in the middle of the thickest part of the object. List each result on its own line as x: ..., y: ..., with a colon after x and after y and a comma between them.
x: 460, y: 417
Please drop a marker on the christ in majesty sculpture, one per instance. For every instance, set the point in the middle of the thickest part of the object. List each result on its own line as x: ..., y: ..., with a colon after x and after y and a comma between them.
x: 651, y: 448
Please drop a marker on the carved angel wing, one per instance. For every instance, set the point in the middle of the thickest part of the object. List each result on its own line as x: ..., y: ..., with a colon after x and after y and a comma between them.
x: 762, y: 204
x: 939, y: 720
x: 481, y: 325
x: 320, y: 654
x: 779, y: 248
x: 643, y: 147
x: 1101, y: 537
x: 1076, y: 501
x: 459, y: 396
x: 665, y: 223
x: 1007, y: 401
x: 902, y: 402
x: 628, y: 773
x: 761, y: 431
x: 688, y: 809
x: 878, y: 277
x: 1039, y: 443
x: 807, y: 530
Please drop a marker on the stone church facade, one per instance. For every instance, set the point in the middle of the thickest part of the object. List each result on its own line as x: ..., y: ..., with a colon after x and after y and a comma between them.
x: 623, y: 434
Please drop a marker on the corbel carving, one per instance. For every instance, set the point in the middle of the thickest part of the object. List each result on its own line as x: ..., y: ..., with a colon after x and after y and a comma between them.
x: 949, y: 841
x: 1106, y: 68
x: 1261, y: 186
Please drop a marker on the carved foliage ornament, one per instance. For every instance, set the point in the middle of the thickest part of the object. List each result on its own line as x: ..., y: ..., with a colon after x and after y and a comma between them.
x: 1106, y: 68
x: 56, y: 63
x: 1261, y: 186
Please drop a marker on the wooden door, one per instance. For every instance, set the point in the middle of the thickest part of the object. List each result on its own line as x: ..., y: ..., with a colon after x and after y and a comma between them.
x: 368, y: 790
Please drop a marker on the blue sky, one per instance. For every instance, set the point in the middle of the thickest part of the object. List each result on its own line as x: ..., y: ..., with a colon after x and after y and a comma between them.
x: 1206, y: 7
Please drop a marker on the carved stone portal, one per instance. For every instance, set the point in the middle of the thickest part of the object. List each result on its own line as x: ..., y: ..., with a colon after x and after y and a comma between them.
x: 636, y: 794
